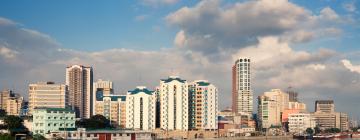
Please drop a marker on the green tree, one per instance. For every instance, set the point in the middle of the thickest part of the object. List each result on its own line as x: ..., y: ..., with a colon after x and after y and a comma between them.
x: 317, y: 130
x: 13, y: 122
x: 38, y: 137
x: 6, y: 137
x: 94, y: 122
x: 2, y: 113
x: 309, y: 131
x: 333, y: 130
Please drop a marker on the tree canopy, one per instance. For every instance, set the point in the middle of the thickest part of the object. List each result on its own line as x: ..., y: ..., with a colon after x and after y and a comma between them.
x: 309, y: 131
x: 94, y: 122
x: 13, y: 122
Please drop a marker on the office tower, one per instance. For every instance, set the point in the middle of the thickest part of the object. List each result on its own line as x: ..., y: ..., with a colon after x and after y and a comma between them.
x: 280, y: 97
x: 47, y: 94
x: 5, y: 95
x: 203, y: 105
x: 79, y: 80
x: 46, y: 120
x: 268, y: 112
x: 293, y: 95
x: 111, y: 106
x: 140, y: 109
x: 242, y: 98
x: 14, y: 105
x: 106, y: 87
x: 299, y: 122
x: 326, y: 117
x: 173, y: 93
x: 326, y: 106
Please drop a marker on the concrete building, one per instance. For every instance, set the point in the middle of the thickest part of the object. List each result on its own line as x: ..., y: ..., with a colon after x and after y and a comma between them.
x: 326, y: 117
x: 297, y: 105
x: 79, y: 80
x: 106, y: 87
x: 203, y: 105
x: 140, y: 109
x: 47, y: 94
x: 242, y: 97
x: 112, y: 106
x: 103, y: 134
x: 46, y: 120
x: 299, y: 122
x: 14, y: 105
x: 280, y: 97
x: 173, y: 94
x: 268, y: 112
x: 11, y: 102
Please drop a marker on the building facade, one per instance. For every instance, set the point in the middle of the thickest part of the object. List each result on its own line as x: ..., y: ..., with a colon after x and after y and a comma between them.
x: 280, y: 97
x: 203, y: 105
x: 242, y: 97
x: 140, y: 109
x: 47, y: 94
x: 106, y: 87
x: 299, y: 122
x: 79, y: 80
x: 173, y: 94
x: 46, y: 120
x: 268, y: 112
x: 111, y: 106
x: 14, y: 105
x: 327, y: 118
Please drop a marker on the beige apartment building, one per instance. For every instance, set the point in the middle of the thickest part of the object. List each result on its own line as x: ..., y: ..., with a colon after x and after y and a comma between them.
x: 47, y: 94
x: 326, y: 117
x: 11, y: 102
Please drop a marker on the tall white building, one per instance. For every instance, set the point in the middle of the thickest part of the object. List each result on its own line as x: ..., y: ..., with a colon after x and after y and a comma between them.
x: 111, y: 106
x: 140, y: 109
x: 203, y: 105
x: 47, y: 94
x: 79, y: 80
x: 242, y: 97
x: 299, y: 122
x: 173, y: 94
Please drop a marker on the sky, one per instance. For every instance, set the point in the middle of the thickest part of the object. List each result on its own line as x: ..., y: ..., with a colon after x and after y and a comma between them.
x: 311, y: 46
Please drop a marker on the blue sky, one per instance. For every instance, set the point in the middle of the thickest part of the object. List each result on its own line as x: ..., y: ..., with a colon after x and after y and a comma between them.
x: 310, y: 45
x: 98, y: 25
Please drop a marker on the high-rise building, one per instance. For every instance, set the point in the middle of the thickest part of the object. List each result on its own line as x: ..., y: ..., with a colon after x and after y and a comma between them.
x: 105, y: 87
x: 325, y: 106
x: 326, y: 117
x: 140, y: 109
x: 293, y: 95
x: 242, y: 97
x: 79, y: 80
x: 13, y: 105
x: 47, y: 94
x: 5, y: 95
x: 268, y: 112
x: 297, y: 105
x: 111, y: 106
x: 203, y: 105
x: 173, y: 93
x: 280, y: 97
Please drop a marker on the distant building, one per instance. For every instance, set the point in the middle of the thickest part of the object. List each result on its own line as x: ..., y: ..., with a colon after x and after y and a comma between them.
x: 269, y: 112
x: 79, y: 80
x: 47, y: 94
x: 46, y: 120
x: 242, y: 97
x: 297, y: 105
x: 106, y: 87
x: 140, y: 109
x: 173, y: 94
x: 111, y: 106
x: 14, y: 105
x: 293, y: 95
x: 11, y: 102
x: 282, y: 98
x: 299, y: 122
x: 326, y: 117
x: 203, y: 105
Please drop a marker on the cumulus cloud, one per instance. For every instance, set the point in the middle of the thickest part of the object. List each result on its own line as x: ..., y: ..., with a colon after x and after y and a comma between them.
x: 238, y: 25
x: 350, y: 6
x: 350, y: 66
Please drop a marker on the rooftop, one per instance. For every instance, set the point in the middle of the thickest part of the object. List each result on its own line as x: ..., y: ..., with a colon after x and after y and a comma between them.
x: 140, y: 89
x: 172, y: 78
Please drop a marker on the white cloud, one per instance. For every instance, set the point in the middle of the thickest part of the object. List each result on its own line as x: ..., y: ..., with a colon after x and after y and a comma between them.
x: 7, y: 53
x: 350, y: 66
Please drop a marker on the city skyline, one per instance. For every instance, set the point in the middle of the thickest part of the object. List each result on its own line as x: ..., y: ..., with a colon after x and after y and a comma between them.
x: 311, y: 47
